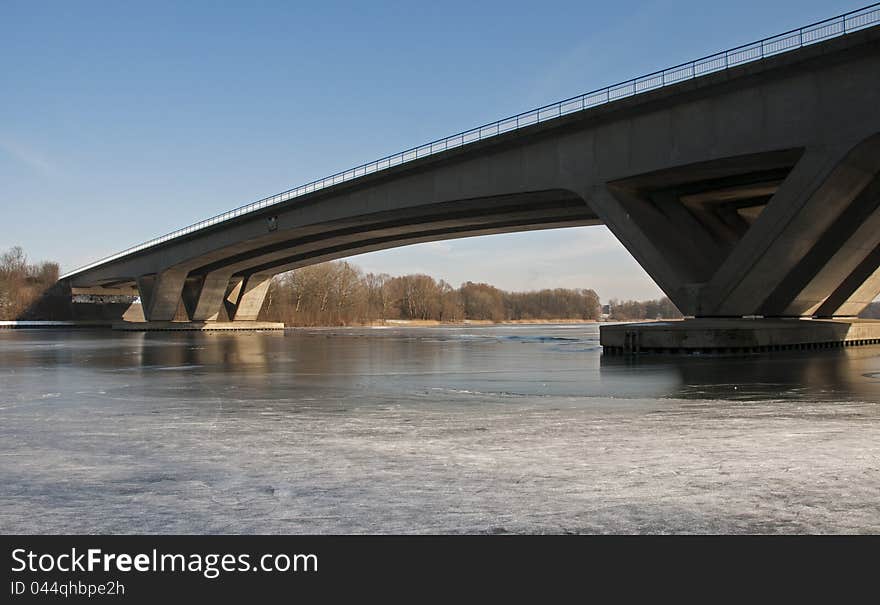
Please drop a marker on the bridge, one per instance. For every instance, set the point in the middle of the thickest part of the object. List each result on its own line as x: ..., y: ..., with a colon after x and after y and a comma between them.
x: 746, y: 183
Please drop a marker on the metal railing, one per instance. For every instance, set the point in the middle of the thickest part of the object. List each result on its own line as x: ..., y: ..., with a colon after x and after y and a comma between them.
x: 791, y: 40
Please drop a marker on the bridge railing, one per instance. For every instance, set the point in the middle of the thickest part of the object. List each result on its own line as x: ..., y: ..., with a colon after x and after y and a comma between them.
x: 788, y: 41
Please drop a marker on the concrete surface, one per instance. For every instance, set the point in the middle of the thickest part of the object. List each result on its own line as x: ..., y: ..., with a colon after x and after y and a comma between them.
x: 718, y: 335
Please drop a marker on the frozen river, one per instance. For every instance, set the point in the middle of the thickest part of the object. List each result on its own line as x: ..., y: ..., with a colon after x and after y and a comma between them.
x: 429, y: 430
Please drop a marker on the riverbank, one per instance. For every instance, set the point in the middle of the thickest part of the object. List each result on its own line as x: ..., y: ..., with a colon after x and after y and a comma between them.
x: 478, y: 322
x: 432, y: 323
x: 399, y: 323
x: 388, y: 323
x: 35, y: 324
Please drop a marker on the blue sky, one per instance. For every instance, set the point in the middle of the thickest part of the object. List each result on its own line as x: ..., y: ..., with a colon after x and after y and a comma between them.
x: 120, y: 121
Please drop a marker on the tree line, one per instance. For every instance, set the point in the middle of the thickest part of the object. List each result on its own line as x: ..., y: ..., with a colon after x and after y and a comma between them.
x: 23, y: 283
x: 339, y: 293
x: 627, y: 310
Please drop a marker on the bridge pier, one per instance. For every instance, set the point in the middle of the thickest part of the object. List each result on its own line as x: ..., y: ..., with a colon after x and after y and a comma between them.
x: 792, y: 233
x: 251, y: 293
x: 204, y: 296
x: 795, y: 236
x: 214, y: 301
x: 161, y: 294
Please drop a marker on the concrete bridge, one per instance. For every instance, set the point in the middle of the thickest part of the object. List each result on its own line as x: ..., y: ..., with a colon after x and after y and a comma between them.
x: 746, y: 184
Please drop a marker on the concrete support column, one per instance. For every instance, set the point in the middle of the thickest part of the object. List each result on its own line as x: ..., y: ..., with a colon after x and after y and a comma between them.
x: 251, y: 293
x: 857, y: 291
x: 819, y: 190
x: 161, y: 294
x: 842, y: 254
x: 646, y: 235
x: 203, y: 295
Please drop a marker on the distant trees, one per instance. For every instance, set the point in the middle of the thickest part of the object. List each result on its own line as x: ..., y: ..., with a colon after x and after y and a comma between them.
x: 553, y: 304
x: 415, y: 296
x: 482, y: 301
x: 661, y: 308
x: 22, y: 283
x: 338, y: 293
x: 325, y: 294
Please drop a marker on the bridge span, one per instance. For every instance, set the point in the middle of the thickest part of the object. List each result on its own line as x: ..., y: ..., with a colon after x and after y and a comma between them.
x: 746, y: 183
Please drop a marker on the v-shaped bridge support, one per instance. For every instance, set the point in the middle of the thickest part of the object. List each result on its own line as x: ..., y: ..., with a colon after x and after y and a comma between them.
x: 792, y: 233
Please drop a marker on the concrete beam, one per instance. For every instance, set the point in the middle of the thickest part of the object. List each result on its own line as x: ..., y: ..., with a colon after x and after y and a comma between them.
x: 835, y: 256
x: 862, y: 297
x: 574, y: 212
x: 857, y: 291
x: 335, y: 249
x: 653, y: 254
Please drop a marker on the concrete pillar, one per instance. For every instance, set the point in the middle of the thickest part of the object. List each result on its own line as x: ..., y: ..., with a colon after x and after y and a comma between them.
x: 857, y: 291
x: 835, y: 256
x: 134, y: 313
x: 645, y: 233
x: 161, y: 294
x: 659, y: 219
x: 817, y: 192
x: 682, y: 220
x: 251, y: 294
x: 862, y: 297
x: 821, y: 223
x: 203, y: 295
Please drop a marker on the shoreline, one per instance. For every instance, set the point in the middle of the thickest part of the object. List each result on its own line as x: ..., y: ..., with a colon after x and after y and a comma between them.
x: 434, y: 323
x: 388, y: 323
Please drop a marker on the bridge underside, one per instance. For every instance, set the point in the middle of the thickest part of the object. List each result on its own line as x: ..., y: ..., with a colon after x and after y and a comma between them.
x: 790, y: 233
x: 749, y: 192
x: 232, y: 285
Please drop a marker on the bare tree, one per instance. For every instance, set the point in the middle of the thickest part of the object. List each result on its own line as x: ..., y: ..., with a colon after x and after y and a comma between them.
x: 22, y: 284
x: 338, y: 293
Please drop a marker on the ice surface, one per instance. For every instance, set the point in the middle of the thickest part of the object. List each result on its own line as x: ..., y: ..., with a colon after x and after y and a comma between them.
x: 438, y: 430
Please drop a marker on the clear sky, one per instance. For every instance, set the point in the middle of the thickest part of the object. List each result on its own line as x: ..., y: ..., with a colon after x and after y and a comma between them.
x: 121, y: 121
